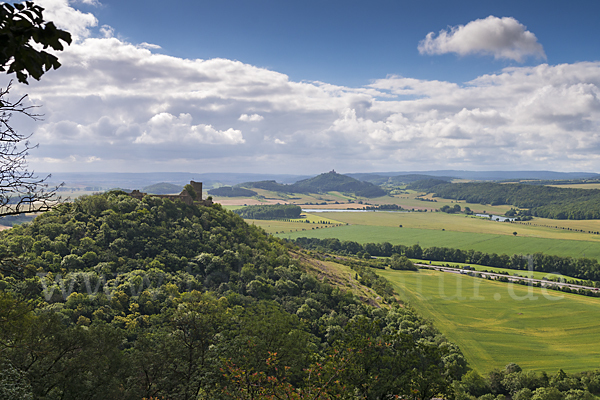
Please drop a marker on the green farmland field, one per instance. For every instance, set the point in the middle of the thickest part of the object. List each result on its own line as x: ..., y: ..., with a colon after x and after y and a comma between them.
x: 490, y: 243
x: 496, y: 323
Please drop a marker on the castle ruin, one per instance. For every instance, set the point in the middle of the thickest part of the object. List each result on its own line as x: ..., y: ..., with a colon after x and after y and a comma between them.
x: 184, y: 196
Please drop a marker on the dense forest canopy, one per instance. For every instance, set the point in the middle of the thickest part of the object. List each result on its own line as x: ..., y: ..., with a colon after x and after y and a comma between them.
x: 228, y: 191
x: 542, y: 201
x: 163, y: 188
x: 113, y: 297
x: 271, y: 211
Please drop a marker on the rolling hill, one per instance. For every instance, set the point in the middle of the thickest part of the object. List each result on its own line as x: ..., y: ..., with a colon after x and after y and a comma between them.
x: 327, y: 182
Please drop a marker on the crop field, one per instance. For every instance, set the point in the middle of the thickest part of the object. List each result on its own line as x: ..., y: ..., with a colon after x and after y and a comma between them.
x: 495, y: 323
x: 489, y: 243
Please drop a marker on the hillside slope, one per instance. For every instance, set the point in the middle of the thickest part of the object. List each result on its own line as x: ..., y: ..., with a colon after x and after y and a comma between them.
x: 113, y: 297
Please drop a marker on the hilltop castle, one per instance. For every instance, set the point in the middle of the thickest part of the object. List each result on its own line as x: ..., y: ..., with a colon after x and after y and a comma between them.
x: 183, y: 196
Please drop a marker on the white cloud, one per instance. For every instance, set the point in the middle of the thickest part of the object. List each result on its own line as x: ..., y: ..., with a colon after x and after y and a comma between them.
x: 165, y: 127
x: 68, y: 18
x: 501, y: 37
x: 107, y: 31
x: 117, y: 105
x: 251, y: 118
x: 89, y: 2
x: 150, y: 46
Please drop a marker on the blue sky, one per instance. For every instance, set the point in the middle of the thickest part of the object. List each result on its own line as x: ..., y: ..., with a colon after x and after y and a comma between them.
x: 306, y: 86
x: 349, y: 42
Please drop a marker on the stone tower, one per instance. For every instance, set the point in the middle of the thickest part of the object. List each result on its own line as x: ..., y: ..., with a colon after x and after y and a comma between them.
x: 197, y: 186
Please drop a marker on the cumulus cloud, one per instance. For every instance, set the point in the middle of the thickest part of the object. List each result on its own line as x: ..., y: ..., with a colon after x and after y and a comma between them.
x: 251, y: 118
x: 150, y: 46
x: 68, y: 18
x: 89, y: 2
x: 165, y: 127
x: 501, y: 37
x: 115, y: 105
x: 107, y: 31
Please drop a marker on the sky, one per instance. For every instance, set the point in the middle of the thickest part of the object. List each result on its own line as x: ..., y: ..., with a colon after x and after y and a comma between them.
x: 303, y: 87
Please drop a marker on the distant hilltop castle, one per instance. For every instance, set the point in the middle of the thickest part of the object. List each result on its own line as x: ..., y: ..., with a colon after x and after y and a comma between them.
x: 184, y: 196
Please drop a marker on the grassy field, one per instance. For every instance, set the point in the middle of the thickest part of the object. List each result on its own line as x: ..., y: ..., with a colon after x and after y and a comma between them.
x: 496, y: 323
x: 541, y: 228
x: 489, y: 243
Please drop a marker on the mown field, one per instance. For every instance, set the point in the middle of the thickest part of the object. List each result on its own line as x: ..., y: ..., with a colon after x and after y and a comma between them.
x: 496, y: 323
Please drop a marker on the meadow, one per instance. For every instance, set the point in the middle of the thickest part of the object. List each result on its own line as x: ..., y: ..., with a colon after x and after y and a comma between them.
x: 495, y: 323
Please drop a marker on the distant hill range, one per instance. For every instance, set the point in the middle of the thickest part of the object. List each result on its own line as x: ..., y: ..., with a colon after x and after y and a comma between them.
x: 228, y: 191
x: 476, y: 175
x: 162, y: 188
x: 327, y: 182
x: 98, y: 181
x: 396, y: 179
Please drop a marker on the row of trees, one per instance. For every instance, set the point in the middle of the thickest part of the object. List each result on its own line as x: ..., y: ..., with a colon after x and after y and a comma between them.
x: 581, y: 268
x: 527, y: 385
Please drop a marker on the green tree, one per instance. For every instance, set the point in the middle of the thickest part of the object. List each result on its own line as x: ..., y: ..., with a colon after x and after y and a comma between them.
x: 22, y: 32
x: 401, y: 263
x: 547, y: 393
x: 190, y: 191
x: 474, y: 383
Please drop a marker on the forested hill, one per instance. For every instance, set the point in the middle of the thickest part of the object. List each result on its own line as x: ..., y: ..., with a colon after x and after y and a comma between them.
x: 330, y: 181
x: 542, y: 201
x: 378, y: 179
x: 110, y: 297
x: 163, y: 188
